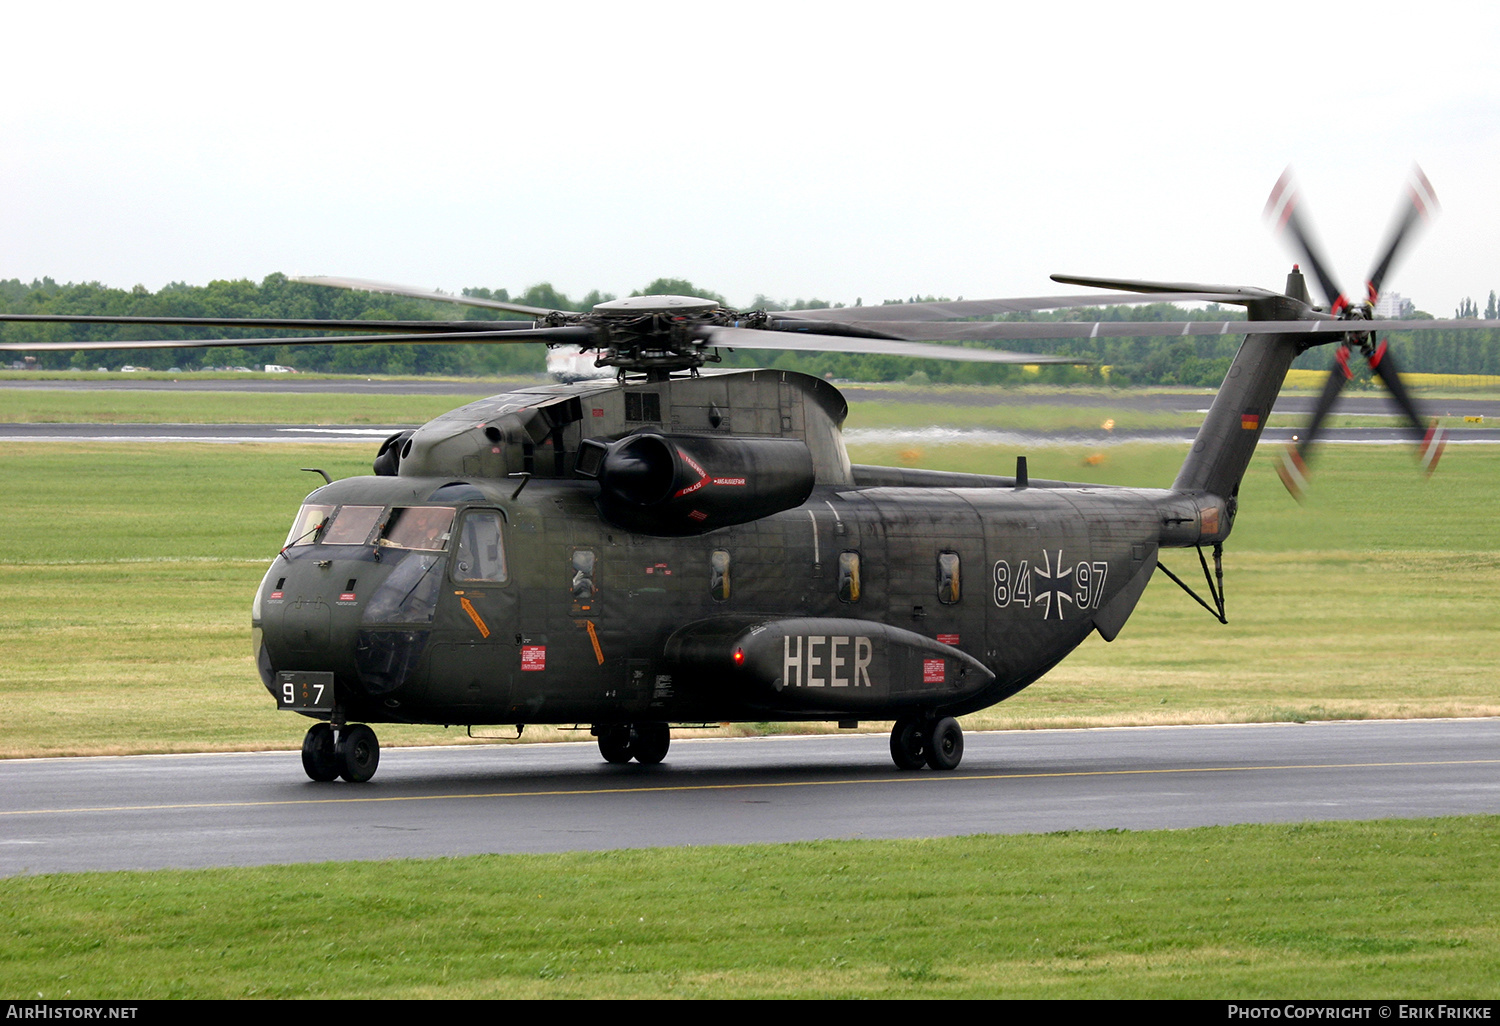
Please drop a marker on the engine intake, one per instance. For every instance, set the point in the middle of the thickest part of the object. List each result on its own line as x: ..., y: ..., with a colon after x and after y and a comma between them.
x: 392, y: 451
x: 676, y: 485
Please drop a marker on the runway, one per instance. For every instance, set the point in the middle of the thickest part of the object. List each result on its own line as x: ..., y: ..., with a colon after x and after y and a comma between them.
x: 148, y: 812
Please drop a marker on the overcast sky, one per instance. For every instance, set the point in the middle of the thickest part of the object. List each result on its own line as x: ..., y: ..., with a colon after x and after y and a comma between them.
x: 866, y: 150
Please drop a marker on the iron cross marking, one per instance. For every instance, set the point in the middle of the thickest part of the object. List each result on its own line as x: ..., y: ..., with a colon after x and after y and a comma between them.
x: 1049, y: 586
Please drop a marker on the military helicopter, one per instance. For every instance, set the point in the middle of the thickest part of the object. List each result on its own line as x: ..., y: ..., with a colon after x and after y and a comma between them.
x: 687, y: 546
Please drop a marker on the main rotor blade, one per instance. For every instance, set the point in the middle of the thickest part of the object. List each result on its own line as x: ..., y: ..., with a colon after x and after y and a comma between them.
x: 1421, y: 204
x: 969, y: 331
x: 272, y: 323
x: 364, y: 285
x: 570, y: 334
x: 1282, y: 207
x: 952, y: 331
x: 1162, y: 290
x: 910, y: 333
x: 1433, y: 438
x: 754, y: 338
x: 960, y: 308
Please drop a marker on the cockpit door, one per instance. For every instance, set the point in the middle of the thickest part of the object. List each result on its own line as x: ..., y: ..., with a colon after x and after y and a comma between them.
x: 476, y: 624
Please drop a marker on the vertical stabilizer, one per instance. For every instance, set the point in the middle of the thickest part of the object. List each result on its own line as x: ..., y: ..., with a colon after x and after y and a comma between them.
x: 1226, y: 441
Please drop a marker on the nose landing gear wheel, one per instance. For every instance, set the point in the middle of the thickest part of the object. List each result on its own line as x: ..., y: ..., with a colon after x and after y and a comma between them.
x: 358, y: 753
x: 318, y: 756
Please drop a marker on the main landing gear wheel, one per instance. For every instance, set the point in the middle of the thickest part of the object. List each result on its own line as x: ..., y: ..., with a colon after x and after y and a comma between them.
x: 614, y: 743
x: 319, y: 758
x: 358, y: 753
x: 938, y: 743
x: 909, y: 744
x: 646, y: 743
x: 651, y: 742
x: 945, y: 749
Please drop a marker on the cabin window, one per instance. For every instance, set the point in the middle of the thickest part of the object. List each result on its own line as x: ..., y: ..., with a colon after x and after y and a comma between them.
x: 305, y: 528
x: 582, y: 584
x: 352, y: 525
x: 848, y: 576
x: 481, y: 550
x: 718, y: 579
x: 947, y: 578
x: 418, y: 527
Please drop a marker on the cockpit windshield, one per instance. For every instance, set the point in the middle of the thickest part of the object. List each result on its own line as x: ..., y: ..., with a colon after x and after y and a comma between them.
x: 352, y: 525
x: 418, y: 527
x: 305, y: 528
x: 425, y: 528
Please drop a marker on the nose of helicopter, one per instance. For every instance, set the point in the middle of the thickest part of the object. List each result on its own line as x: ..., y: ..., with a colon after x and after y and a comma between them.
x: 364, y: 617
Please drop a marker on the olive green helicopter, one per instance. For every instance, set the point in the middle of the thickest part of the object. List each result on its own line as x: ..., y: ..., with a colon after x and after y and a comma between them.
x: 683, y: 545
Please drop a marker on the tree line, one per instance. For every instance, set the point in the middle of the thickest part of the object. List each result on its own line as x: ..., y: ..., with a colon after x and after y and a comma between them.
x: 1151, y: 360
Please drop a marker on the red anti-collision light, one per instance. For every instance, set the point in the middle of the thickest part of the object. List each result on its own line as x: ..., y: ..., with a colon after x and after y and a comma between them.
x: 739, y: 657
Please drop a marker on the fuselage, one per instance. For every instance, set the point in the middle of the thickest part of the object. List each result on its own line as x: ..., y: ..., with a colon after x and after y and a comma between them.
x: 861, y: 602
x: 702, y: 550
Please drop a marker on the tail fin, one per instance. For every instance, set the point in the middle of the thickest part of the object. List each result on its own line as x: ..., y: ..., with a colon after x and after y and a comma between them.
x: 1226, y: 441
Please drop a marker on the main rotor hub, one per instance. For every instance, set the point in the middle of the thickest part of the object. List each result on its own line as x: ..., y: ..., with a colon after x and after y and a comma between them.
x: 635, y: 305
x: 654, y: 334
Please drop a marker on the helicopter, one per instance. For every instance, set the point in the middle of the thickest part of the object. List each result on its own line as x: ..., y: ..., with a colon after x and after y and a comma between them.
x: 684, y: 545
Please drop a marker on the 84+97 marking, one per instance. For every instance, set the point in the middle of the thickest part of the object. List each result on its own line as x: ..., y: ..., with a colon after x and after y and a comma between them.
x: 1050, y: 585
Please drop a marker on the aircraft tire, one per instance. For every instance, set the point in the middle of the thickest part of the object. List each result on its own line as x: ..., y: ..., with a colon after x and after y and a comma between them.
x: 614, y: 743
x: 319, y: 757
x: 651, y: 742
x: 358, y: 753
x: 908, y: 744
x: 946, y: 749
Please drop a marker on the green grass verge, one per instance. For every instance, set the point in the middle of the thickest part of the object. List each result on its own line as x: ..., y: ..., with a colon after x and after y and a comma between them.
x: 111, y: 406
x: 128, y: 570
x: 1047, y: 417
x: 1318, y: 910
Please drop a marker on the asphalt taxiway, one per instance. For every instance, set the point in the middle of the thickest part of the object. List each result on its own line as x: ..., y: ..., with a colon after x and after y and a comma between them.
x: 147, y: 812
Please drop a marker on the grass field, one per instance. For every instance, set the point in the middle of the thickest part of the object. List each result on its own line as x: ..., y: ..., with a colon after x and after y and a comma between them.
x: 46, y: 406
x: 127, y: 571
x: 1384, y: 909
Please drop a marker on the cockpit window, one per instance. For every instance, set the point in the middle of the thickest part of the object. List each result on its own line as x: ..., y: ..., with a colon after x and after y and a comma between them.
x: 305, y: 528
x: 418, y: 527
x: 352, y: 525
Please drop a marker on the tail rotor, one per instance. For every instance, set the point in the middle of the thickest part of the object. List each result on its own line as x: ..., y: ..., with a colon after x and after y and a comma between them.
x: 1283, y: 208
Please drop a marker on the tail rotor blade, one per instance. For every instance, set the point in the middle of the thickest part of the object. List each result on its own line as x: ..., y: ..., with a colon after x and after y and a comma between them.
x: 1338, y: 376
x: 1421, y: 204
x: 1433, y: 437
x: 1282, y: 208
x: 1293, y: 467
